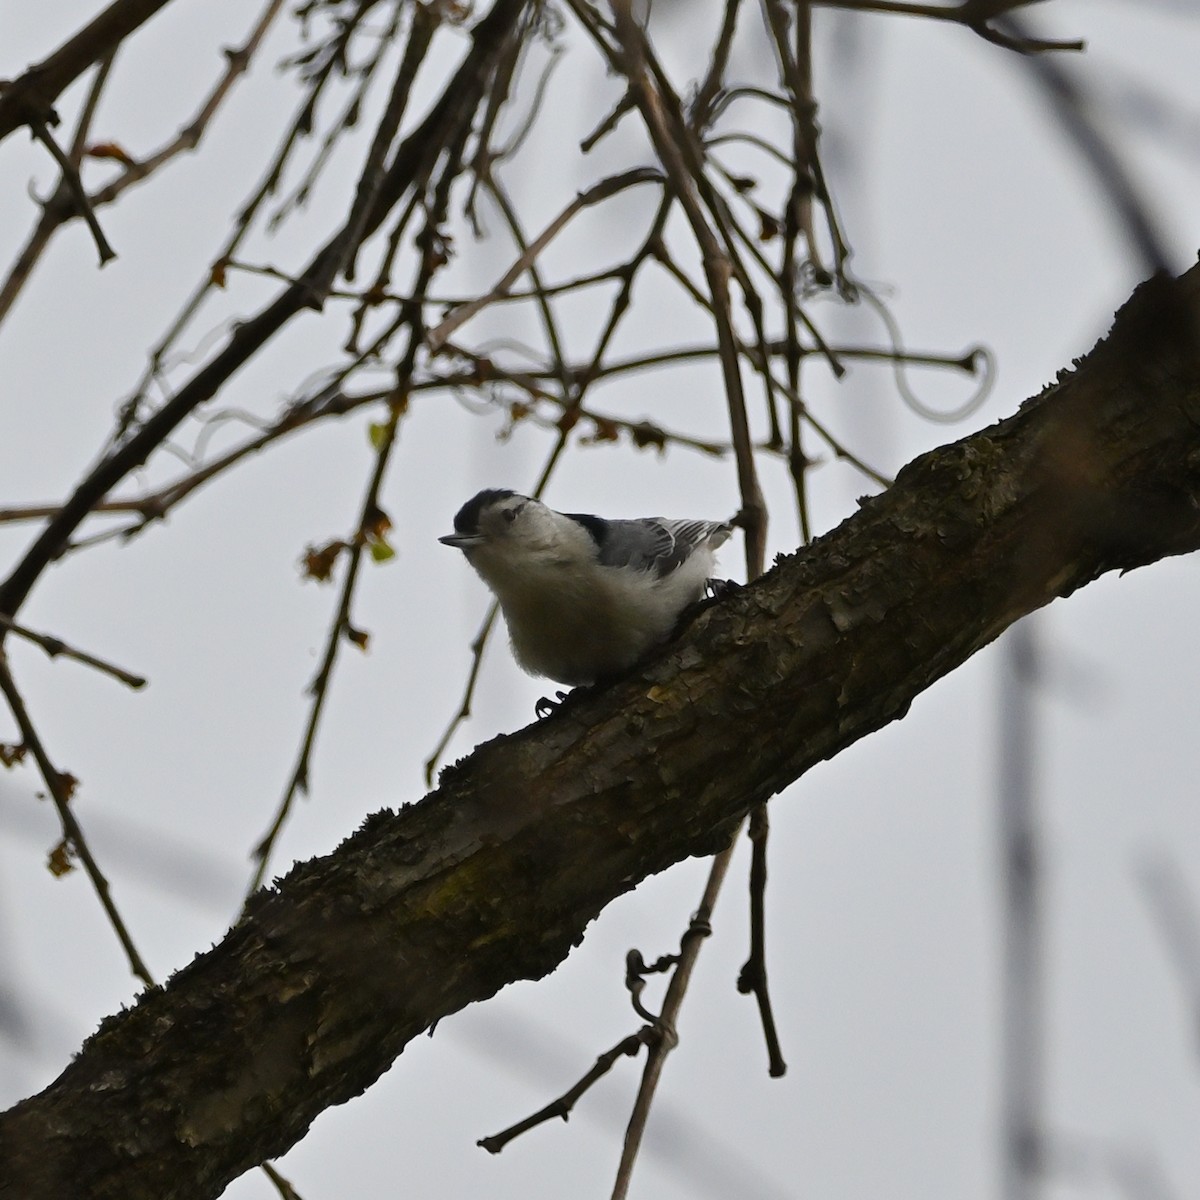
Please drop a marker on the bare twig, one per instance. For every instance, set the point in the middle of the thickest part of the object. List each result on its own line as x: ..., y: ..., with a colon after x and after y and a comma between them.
x: 668, y: 132
x: 61, y: 207
x: 753, y: 976
x: 975, y: 15
x: 439, y: 335
x: 1069, y: 105
x: 61, y: 204
x: 282, y: 1185
x: 60, y: 787
x: 153, y: 505
x: 70, y: 174
x: 478, y: 643
x: 563, y: 1106
x: 56, y: 646
x: 448, y: 120
x: 237, y: 63
x: 667, y: 1038
x: 340, y: 627
x: 34, y: 93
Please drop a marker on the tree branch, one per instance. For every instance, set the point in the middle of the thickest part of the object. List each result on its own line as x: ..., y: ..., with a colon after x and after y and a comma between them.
x: 377, y: 191
x: 495, y: 875
x: 34, y: 93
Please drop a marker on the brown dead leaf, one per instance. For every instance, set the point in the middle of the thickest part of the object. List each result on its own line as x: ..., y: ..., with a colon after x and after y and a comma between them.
x: 604, y: 430
x: 318, y: 561
x: 110, y: 150
x: 59, y: 861
x: 376, y: 524
x: 769, y: 226
x: 12, y: 753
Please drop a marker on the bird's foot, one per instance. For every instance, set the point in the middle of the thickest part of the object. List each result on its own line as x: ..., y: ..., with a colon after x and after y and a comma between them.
x: 545, y: 706
x: 721, y: 589
x: 715, y: 590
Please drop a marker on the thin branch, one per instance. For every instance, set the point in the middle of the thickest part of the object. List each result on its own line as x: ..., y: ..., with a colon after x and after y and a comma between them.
x: 70, y: 174
x: 62, y: 203
x: 1069, y: 104
x: 60, y: 787
x: 33, y: 94
x: 61, y: 207
x: 340, y: 627
x: 478, y: 643
x: 753, y: 976
x: 282, y: 1185
x: 1022, y: 1016
x: 668, y: 133
x: 439, y: 335
x: 667, y: 1038
x: 974, y: 15
x: 371, y: 512
x: 56, y: 646
x: 302, y: 415
x: 562, y: 1107
x: 446, y: 121
x: 237, y: 63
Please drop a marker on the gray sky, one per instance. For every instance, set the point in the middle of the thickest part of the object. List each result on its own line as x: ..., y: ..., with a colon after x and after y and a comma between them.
x: 973, y: 214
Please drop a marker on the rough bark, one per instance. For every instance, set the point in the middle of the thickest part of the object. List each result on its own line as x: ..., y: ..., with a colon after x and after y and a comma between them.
x: 495, y: 876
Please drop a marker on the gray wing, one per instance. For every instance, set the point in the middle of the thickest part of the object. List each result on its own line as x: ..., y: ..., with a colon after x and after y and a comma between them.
x: 657, y: 544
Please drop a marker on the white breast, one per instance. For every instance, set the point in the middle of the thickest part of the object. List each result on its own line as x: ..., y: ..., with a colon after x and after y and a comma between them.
x: 576, y: 621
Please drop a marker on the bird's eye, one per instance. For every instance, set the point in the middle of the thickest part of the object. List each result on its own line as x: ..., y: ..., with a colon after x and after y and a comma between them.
x: 510, y: 515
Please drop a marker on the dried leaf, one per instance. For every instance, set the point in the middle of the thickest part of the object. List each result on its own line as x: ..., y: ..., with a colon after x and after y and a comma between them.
x: 770, y: 226
x: 604, y: 430
x: 59, y: 860
x: 318, y: 562
x: 360, y: 637
x: 69, y: 784
x: 12, y: 753
x: 376, y: 524
x: 110, y: 150
x: 216, y: 273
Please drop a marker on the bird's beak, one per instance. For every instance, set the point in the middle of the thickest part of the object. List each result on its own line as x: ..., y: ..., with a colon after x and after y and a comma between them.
x: 464, y: 541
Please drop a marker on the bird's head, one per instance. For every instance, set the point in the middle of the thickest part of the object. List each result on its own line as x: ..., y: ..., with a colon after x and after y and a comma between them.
x: 507, y: 522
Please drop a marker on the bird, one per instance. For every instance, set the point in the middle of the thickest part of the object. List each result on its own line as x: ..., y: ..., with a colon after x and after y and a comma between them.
x: 584, y: 597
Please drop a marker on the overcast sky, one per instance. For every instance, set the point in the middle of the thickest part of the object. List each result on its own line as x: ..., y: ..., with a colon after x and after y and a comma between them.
x: 972, y: 212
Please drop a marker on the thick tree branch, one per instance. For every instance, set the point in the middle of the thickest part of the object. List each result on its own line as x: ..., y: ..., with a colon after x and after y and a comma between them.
x: 495, y: 876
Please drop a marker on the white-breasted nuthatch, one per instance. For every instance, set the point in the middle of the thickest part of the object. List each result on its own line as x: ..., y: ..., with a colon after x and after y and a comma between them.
x: 584, y: 598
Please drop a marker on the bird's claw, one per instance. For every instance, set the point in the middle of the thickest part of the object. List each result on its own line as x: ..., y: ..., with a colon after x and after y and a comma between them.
x: 721, y: 589
x: 545, y: 706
